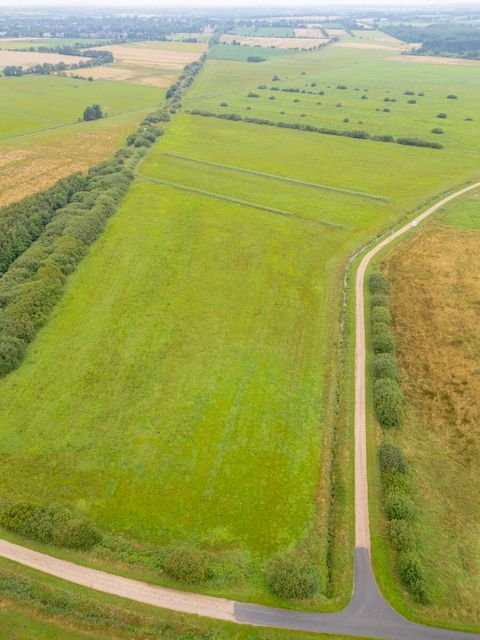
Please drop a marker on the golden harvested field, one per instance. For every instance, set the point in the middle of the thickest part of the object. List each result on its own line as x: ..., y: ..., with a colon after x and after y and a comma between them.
x: 437, y: 60
x: 131, y: 74
x: 152, y: 57
x: 280, y: 43
x: 312, y: 32
x: 373, y: 45
x: 30, y: 58
x: 23, y: 169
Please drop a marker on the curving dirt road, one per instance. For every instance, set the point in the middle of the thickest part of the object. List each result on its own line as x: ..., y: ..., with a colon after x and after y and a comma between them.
x: 367, y: 614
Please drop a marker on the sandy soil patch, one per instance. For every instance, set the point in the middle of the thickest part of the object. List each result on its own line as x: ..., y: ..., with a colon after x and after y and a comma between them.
x: 146, y: 57
x: 28, y: 58
x: 437, y: 60
x: 279, y: 43
x: 336, y: 32
x: 309, y: 33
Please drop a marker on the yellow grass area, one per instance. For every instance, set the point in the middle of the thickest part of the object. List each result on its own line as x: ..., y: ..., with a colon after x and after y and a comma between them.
x: 435, y: 299
x: 154, y: 64
x: 436, y: 60
x: 30, y: 58
x: 336, y: 32
x: 280, y: 43
x: 33, y: 163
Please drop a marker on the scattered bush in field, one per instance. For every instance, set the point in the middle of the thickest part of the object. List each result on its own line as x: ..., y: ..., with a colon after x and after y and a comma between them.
x: 186, y: 565
x: 411, y: 102
x: 255, y: 59
x: 296, y: 100
x: 346, y: 119
x: 224, y: 104
x: 398, y: 506
x: 381, y: 314
x: 275, y: 79
x: 421, y: 93
x: 76, y: 534
x: 364, y: 97
x: 469, y: 119
x: 386, y: 110
x: 377, y: 282
x: 93, y: 112
x: 379, y: 300
x: 401, y: 535
x: 409, y: 93
x: 272, y: 98
x: 417, y: 142
x: 251, y: 94
x: 385, y: 365
x: 452, y: 96
x: 441, y: 115
x: 321, y: 93
x: 437, y: 130
x: 383, y: 340
x: 387, y: 399
x: 341, y: 86
x: 412, y: 575
x: 291, y: 578
x: 392, y: 458
x: 396, y: 481
x: 339, y: 104
x: 262, y: 86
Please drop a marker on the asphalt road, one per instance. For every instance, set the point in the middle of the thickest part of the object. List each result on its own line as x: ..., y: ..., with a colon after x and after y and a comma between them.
x: 367, y: 614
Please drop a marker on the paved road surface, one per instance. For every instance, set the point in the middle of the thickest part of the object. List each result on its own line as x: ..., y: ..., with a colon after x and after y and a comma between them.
x: 367, y: 613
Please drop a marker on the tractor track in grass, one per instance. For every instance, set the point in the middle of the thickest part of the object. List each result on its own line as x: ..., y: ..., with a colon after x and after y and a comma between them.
x: 367, y: 614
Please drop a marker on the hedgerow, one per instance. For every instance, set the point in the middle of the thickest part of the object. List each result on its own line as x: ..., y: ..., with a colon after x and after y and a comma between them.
x: 385, y: 365
x: 398, y: 506
x: 186, y: 565
x: 387, y: 400
x: 392, y: 458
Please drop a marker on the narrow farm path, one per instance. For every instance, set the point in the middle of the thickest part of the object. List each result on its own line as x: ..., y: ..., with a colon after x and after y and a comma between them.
x: 367, y: 614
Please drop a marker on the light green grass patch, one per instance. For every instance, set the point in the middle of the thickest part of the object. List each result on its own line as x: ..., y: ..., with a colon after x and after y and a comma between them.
x: 241, y: 53
x: 465, y: 214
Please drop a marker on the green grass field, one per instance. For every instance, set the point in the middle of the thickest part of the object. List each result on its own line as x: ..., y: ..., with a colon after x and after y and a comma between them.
x: 370, y: 77
x: 36, y: 103
x: 181, y: 391
x: 464, y: 214
x: 241, y: 53
x: 25, y: 43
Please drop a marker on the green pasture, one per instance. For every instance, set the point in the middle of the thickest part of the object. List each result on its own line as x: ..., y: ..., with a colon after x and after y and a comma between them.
x: 25, y: 43
x: 370, y: 76
x: 240, y: 53
x: 464, y: 214
x: 32, y: 104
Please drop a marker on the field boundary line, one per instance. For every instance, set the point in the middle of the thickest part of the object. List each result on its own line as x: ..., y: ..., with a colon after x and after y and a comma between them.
x: 245, y: 203
x: 304, y: 183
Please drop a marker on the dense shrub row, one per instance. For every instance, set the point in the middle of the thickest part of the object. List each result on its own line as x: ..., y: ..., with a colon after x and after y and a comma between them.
x: 49, y: 525
x: 358, y: 134
x: 21, y: 223
x: 97, y: 58
x: 34, y: 281
x: 398, y: 504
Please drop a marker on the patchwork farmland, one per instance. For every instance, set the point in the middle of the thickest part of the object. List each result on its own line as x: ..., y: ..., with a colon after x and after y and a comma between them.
x: 190, y: 396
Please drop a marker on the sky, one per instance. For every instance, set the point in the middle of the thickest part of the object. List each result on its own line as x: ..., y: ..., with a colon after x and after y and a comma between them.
x: 238, y: 3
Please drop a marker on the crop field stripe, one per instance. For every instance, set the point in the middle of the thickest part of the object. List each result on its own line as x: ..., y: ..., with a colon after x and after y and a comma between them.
x: 314, y: 185
x: 245, y: 203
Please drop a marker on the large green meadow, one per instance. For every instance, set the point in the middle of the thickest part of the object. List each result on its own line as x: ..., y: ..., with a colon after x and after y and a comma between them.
x: 32, y: 103
x: 182, y: 390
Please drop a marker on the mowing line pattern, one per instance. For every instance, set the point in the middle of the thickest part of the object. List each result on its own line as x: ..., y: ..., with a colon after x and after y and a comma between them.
x: 304, y: 183
x: 244, y: 203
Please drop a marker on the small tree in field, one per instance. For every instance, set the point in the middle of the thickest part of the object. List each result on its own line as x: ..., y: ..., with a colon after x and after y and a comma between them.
x: 93, y: 112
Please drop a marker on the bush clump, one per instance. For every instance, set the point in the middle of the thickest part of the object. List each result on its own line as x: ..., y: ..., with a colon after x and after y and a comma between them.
x: 413, y: 577
x: 186, y: 565
x: 437, y: 130
x: 381, y: 314
x: 392, y: 458
x: 396, y: 481
x: 385, y: 366
x: 76, y: 534
x: 293, y: 579
x: 12, y: 350
x: 377, y: 283
x: 383, y: 340
x: 387, y: 399
x: 398, y: 506
x: 401, y: 535
x: 379, y: 300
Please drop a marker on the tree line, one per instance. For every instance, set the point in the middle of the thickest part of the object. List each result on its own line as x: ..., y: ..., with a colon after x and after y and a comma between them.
x: 358, y: 134
x: 97, y: 58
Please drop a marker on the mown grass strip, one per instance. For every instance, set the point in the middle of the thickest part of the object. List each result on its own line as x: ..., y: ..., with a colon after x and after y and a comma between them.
x: 245, y: 203
x: 304, y: 183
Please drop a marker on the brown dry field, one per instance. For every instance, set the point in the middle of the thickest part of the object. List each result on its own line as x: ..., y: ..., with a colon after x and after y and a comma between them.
x: 33, y: 163
x: 435, y: 301
x: 309, y: 33
x: 153, y: 58
x: 28, y: 58
x: 131, y: 75
x: 279, y: 43
x: 436, y: 60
